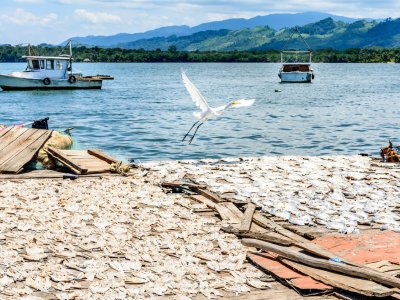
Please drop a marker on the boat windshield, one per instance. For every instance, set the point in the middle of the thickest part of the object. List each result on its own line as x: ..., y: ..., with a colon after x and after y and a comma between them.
x: 33, y: 64
x: 37, y: 64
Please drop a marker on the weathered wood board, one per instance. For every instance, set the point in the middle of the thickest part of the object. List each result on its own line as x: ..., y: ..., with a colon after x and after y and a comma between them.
x: 83, y: 161
x: 18, y: 146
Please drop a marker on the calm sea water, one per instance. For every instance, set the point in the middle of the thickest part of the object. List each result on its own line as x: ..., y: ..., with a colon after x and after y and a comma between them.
x: 144, y: 113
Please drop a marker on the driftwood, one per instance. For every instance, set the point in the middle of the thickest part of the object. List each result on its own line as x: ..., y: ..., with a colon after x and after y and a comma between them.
x: 257, y: 235
x: 361, y: 272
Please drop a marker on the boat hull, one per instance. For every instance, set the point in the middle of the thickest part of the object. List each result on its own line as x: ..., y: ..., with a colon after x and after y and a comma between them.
x: 11, y: 83
x: 296, y: 77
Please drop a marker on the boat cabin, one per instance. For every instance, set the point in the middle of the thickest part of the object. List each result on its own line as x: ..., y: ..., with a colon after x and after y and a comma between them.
x: 51, y: 67
x: 296, y: 67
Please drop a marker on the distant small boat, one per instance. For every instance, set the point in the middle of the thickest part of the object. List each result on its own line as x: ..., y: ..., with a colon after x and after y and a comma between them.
x: 50, y: 73
x: 294, y: 69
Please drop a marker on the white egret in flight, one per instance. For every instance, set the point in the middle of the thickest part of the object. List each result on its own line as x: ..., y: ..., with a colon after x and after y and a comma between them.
x: 207, y: 112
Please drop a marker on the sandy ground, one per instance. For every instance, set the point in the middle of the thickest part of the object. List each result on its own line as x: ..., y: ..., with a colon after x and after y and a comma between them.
x: 121, y: 238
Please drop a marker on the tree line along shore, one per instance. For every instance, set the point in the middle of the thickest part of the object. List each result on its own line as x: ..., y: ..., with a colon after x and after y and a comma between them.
x: 10, y: 53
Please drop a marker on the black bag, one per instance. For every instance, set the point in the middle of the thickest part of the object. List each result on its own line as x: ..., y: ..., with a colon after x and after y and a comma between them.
x: 41, y: 124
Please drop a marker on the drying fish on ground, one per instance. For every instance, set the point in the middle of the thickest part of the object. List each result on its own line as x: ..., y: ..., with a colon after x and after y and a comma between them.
x: 338, y: 192
x: 113, y: 238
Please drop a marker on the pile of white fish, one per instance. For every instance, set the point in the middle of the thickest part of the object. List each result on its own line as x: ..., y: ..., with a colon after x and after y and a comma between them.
x: 113, y: 238
x: 339, y: 192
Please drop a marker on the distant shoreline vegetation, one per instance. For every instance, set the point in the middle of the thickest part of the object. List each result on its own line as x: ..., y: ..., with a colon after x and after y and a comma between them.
x: 96, y: 54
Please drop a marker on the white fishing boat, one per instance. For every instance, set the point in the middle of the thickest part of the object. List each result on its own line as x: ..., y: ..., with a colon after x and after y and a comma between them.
x: 296, y: 64
x: 296, y: 71
x: 50, y: 73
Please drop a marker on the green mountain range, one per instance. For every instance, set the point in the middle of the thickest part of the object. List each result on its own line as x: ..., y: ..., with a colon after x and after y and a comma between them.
x: 326, y: 33
x: 275, y: 21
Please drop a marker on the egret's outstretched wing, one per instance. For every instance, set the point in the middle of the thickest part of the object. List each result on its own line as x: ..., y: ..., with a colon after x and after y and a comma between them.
x: 197, y: 97
x: 242, y: 102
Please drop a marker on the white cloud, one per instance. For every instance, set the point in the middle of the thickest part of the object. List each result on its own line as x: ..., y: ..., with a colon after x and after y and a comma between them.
x: 97, y: 17
x: 80, y: 2
x: 28, y: 1
x: 22, y: 17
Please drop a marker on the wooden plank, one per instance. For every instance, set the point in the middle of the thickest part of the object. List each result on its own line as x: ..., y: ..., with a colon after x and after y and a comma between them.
x: 58, y: 155
x: 342, y: 268
x: 356, y: 285
x: 209, y: 195
x: 227, y: 214
x: 205, y: 201
x: 93, y: 167
x: 26, y: 151
x: 227, y: 211
x: 5, y: 130
x: 86, y: 164
x: 99, y: 170
x: 83, y: 162
x: 99, y: 154
x: 223, y: 210
x: 247, y: 217
x: 80, y: 156
x: 10, y: 140
x: 266, y: 236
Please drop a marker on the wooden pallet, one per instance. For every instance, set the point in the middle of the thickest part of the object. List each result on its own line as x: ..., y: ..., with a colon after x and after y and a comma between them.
x: 18, y: 146
x: 83, y: 161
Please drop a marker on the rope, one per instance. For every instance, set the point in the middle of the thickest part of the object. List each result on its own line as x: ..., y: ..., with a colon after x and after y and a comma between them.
x: 120, y: 168
x: 296, y: 29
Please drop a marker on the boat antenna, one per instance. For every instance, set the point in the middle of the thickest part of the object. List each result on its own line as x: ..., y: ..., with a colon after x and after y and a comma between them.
x: 70, y: 48
x: 296, y: 30
x: 70, y: 55
x: 30, y: 50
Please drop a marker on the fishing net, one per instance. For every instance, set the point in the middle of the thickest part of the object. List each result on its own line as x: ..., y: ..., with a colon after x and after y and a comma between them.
x: 58, y: 141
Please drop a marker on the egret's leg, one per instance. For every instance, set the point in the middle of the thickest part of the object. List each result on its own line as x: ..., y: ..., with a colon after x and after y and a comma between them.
x: 189, y: 130
x: 191, y: 139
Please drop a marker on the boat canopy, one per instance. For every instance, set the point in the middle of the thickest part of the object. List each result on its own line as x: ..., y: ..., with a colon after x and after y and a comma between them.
x: 47, y: 57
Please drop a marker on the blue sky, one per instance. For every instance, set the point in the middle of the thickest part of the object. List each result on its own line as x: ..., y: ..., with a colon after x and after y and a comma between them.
x: 53, y: 21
